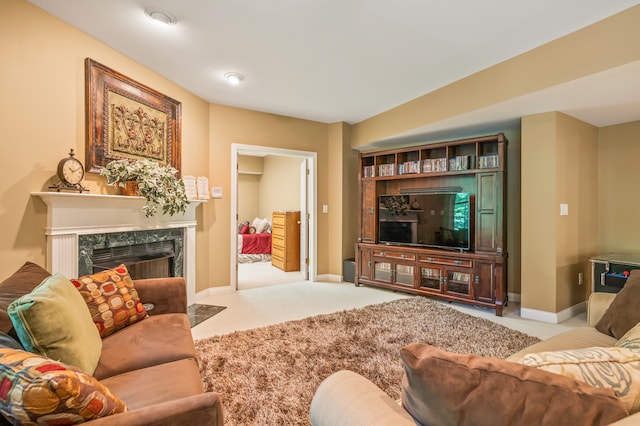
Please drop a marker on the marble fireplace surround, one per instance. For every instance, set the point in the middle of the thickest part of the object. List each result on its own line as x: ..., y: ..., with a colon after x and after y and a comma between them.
x: 73, y: 217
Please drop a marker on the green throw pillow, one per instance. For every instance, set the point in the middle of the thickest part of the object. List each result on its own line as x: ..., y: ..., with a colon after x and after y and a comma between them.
x: 54, y: 321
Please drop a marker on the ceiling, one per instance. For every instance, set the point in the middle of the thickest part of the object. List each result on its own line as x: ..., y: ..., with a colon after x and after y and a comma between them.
x: 347, y: 60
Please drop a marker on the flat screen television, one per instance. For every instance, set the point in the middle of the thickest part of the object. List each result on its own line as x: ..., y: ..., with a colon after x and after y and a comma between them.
x: 438, y: 219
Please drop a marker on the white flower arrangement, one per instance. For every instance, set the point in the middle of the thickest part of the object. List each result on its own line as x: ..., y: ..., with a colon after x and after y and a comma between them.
x: 157, y: 183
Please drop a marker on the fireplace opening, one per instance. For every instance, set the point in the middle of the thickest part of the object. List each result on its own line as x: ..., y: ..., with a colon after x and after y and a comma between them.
x: 148, y: 260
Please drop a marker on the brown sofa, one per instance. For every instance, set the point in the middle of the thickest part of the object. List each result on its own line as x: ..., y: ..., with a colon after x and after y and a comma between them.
x: 151, y: 365
x: 347, y: 398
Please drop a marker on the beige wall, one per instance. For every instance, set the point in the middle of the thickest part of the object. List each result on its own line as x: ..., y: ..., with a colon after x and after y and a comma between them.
x: 42, y: 116
x: 559, y: 165
x: 248, y: 197
x: 280, y: 185
x: 619, y: 176
x: 233, y: 125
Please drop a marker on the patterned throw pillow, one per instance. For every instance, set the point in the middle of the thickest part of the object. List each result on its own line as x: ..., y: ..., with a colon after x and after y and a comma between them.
x: 112, y: 299
x: 614, y: 368
x: 631, y: 340
x: 38, y: 390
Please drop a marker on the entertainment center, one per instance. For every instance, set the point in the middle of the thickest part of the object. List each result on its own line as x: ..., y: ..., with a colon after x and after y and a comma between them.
x: 433, y: 220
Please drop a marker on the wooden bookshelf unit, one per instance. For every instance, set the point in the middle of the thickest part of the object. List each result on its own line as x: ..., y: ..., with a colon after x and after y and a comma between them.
x: 475, y: 275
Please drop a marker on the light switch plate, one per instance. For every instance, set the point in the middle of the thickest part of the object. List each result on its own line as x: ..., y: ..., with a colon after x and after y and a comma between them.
x: 564, y: 209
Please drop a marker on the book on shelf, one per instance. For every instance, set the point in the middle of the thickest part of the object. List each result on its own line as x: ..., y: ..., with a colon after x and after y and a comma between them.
x: 387, y: 170
x: 409, y: 167
x: 369, y: 171
x: 434, y: 165
x: 488, y: 161
x: 461, y: 162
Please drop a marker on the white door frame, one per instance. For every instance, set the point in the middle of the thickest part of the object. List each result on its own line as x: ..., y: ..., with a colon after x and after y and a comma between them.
x: 239, y: 149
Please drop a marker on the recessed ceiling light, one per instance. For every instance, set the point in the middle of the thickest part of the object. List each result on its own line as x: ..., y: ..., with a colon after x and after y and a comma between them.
x: 161, y: 16
x: 234, y: 77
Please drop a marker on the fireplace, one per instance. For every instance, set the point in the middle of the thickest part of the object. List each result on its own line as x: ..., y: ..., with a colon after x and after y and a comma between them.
x: 154, y: 253
x: 148, y: 260
x: 81, y: 225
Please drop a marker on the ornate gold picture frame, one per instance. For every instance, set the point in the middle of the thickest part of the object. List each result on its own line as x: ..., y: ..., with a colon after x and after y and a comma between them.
x: 126, y: 119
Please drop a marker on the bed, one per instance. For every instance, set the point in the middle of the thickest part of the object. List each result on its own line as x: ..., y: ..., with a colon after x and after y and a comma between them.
x: 254, y: 247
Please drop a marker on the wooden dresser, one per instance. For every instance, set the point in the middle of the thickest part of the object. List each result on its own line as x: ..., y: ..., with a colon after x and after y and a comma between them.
x: 285, y: 241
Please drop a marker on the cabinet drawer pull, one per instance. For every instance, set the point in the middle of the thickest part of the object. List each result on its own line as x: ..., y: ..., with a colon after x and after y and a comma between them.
x: 477, y: 279
x: 457, y: 262
x: 430, y: 259
x: 404, y: 256
x: 382, y: 253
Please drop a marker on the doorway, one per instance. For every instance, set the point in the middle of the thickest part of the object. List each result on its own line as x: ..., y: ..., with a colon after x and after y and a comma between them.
x: 306, y: 172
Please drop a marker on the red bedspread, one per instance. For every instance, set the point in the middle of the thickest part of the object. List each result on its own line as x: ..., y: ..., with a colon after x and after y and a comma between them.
x: 256, y: 243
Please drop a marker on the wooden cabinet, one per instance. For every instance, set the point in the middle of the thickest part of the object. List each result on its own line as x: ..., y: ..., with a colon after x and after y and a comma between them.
x: 368, y: 211
x: 285, y: 240
x: 476, y: 166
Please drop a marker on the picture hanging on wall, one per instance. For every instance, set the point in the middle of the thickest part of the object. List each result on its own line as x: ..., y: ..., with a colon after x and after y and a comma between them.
x: 126, y: 119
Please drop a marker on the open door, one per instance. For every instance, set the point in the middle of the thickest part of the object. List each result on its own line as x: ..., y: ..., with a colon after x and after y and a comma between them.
x: 304, y: 220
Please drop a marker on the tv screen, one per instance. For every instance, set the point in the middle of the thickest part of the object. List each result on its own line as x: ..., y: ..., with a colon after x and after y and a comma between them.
x: 425, y: 219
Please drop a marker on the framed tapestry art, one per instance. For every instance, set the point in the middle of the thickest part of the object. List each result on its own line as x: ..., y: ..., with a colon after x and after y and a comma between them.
x: 126, y: 119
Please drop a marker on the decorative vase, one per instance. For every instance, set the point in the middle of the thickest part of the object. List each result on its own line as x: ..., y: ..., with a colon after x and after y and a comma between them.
x: 130, y: 188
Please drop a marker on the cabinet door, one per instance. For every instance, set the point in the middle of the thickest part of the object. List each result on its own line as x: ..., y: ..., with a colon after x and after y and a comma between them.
x: 396, y: 273
x: 485, y: 281
x: 364, y: 264
x: 489, y: 199
x: 368, y: 212
x: 458, y: 282
x: 431, y: 278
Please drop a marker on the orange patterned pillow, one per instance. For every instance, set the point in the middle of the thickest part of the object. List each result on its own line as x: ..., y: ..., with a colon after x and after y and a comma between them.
x: 112, y: 299
x: 37, y: 390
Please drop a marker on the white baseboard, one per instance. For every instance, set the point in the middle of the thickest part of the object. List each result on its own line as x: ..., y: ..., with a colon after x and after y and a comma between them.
x: 514, y: 297
x: 331, y: 278
x: 553, y: 317
x: 213, y: 291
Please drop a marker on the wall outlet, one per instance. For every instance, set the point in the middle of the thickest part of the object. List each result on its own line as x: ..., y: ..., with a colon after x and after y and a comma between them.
x: 580, y: 278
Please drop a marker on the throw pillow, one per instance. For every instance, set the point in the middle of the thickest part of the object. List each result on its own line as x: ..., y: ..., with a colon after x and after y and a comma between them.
x: 38, y: 390
x: 262, y: 226
x: 443, y: 388
x: 623, y: 313
x: 631, y: 340
x: 54, y: 321
x: 610, y: 368
x: 7, y: 341
x: 245, y: 229
x: 20, y: 283
x: 112, y: 299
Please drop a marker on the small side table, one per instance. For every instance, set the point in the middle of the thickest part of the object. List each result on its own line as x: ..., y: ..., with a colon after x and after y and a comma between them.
x: 609, y: 272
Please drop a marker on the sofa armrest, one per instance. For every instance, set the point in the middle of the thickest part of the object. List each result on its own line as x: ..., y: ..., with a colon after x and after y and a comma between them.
x: 597, y: 306
x: 168, y: 295
x: 348, y: 399
x: 204, y: 409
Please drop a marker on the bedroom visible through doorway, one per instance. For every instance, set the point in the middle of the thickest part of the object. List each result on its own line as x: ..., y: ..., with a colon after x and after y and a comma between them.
x: 269, y: 180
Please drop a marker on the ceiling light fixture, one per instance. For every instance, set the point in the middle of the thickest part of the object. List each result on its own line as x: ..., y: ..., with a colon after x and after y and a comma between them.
x: 161, y: 16
x: 234, y: 77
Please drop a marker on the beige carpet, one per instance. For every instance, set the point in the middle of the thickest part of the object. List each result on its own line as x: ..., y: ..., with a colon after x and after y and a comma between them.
x: 267, y: 376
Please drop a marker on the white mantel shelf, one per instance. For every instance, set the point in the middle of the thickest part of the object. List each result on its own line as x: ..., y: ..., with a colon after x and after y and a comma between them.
x: 70, y: 215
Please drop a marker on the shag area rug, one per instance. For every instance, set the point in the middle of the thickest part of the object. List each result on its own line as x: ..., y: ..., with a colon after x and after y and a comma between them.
x: 267, y: 376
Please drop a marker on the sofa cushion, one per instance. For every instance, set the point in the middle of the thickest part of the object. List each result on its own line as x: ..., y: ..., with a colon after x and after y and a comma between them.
x: 155, y: 385
x: 631, y: 340
x: 54, y: 321
x: 20, y: 283
x: 623, y: 312
x: 154, y: 341
x: 112, y: 299
x: 610, y: 368
x: 443, y: 388
x: 35, y: 389
x: 577, y: 338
